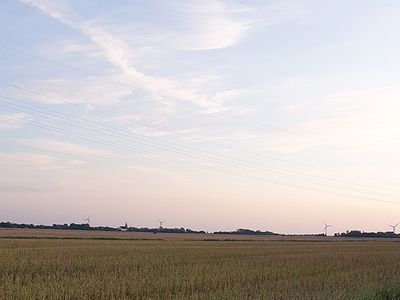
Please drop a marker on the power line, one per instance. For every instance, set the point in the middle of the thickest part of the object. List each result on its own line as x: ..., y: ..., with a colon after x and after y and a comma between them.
x: 176, y: 148
x: 64, y: 132
x: 145, y: 143
x: 116, y: 82
x: 208, y: 142
x: 129, y: 148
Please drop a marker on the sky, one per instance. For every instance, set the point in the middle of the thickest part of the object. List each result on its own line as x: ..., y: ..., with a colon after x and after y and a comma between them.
x: 214, y: 115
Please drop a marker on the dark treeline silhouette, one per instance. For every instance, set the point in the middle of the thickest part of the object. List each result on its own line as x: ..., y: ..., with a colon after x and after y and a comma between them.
x: 74, y: 226
x: 166, y: 230
x: 247, y: 232
x: 358, y: 233
x: 241, y: 231
x: 306, y: 234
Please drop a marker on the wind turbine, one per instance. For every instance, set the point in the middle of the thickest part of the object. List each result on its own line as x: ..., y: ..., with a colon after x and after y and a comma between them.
x: 161, y: 224
x: 87, y: 220
x: 326, y: 228
x: 393, y: 227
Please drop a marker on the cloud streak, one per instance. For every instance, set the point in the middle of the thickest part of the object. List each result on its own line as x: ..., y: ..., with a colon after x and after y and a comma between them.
x: 36, y: 160
x: 211, y: 25
x: 351, y: 120
x: 12, y: 121
x: 119, y: 55
x: 52, y: 145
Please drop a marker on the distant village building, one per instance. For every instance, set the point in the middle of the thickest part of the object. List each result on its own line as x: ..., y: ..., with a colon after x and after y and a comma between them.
x: 123, y: 228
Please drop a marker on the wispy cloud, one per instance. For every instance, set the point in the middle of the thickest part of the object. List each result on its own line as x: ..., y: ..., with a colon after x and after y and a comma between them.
x: 122, y: 57
x: 85, y: 90
x: 32, y: 160
x: 206, y: 25
x: 211, y: 24
x: 52, y: 145
x: 350, y: 120
x: 12, y: 121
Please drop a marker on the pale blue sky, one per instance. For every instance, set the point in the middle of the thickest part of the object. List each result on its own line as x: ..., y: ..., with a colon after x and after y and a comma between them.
x: 294, y: 93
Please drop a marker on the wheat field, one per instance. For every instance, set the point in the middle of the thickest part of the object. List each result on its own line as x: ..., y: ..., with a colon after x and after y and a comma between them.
x: 42, y: 268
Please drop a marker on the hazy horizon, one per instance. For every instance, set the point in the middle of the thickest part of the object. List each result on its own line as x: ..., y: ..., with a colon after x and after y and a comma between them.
x: 214, y: 115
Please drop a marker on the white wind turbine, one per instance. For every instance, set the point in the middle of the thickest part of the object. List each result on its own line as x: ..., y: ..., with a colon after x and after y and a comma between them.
x: 87, y: 220
x: 393, y: 227
x: 326, y: 228
x: 161, y: 224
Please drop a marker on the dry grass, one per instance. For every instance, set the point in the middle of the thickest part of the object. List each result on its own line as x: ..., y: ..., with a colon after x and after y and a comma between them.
x: 85, y: 234
x: 179, y: 269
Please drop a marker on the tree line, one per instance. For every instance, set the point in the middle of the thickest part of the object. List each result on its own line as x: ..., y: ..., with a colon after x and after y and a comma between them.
x: 358, y: 233
x: 84, y: 226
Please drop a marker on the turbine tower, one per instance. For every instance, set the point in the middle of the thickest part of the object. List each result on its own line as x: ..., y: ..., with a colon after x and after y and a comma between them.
x: 326, y: 228
x: 161, y: 225
x: 394, y: 227
x: 87, y: 220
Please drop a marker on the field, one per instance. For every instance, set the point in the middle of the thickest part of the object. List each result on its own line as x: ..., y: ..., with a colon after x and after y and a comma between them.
x: 87, y: 265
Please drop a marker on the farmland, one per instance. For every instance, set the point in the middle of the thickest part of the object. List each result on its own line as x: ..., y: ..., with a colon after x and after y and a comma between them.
x: 67, y: 265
